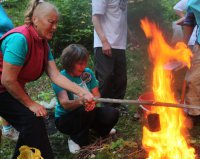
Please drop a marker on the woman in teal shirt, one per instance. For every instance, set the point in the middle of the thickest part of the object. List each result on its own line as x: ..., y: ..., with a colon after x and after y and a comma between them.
x: 72, y: 116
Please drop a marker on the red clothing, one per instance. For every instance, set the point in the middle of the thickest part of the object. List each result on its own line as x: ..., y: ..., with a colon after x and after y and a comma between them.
x: 36, y: 58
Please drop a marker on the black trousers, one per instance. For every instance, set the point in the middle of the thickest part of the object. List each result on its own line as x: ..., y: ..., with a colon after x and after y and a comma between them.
x: 32, y: 129
x: 78, y: 123
x: 111, y: 73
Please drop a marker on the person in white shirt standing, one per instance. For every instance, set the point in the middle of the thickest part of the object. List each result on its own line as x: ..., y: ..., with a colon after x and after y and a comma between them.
x: 109, y: 18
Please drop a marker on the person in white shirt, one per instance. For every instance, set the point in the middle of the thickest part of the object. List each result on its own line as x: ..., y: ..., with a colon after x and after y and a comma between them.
x: 109, y: 18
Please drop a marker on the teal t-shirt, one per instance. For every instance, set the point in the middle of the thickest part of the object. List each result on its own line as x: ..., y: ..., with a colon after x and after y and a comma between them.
x: 86, y: 80
x: 15, y: 48
x: 5, y: 22
x: 194, y: 7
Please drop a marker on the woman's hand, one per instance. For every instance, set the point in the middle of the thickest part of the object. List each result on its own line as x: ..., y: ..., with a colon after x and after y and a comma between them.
x: 89, y: 106
x: 87, y: 96
x: 87, y: 101
x: 38, y: 110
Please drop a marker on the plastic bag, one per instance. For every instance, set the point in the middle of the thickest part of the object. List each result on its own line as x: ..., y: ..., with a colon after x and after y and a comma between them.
x: 29, y: 153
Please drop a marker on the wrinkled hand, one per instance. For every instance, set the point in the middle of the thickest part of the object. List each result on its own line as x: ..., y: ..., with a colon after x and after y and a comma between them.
x: 89, y: 106
x: 87, y: 96
x: 38, y: 110
x: 87, y: 100
x: 106, y: 49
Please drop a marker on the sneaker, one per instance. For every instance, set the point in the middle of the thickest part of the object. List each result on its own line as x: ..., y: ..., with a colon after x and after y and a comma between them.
x: 74, y: 148
x: 12, y: 134
x: 112, y: 131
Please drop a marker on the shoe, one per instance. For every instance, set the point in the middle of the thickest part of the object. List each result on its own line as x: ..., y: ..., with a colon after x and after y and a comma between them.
x: 12, y: 134
x: 112, y: 131
x: 74, y: 148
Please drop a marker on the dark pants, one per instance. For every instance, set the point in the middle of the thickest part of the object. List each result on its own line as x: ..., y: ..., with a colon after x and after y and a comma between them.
x: 32, y: 129
x: 78, y: 122
x: 111, y: 73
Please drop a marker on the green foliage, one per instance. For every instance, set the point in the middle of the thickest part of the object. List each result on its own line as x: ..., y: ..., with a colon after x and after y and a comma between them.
x: 159, y: 11
x: 40, y: 90
x: 45, y: 96
x: 167, y: 6
x: 74, y: 26
x: 6, y: 148
x: 15, y: 11
x: 117, y: 144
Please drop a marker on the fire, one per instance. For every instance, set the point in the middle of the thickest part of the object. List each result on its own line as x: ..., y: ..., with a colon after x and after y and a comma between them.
x: 170, y: 141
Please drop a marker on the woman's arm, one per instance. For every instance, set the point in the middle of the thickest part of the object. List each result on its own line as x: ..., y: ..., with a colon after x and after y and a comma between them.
x: 74, y: 104
x: 69, y: 104
x: 65, y: 83
x: 9, y: 80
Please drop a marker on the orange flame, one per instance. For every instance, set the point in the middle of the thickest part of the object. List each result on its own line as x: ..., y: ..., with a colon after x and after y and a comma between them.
x: 170, y: 141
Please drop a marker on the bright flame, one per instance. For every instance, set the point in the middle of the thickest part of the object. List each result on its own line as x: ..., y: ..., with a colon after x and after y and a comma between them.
x: 170, y: 141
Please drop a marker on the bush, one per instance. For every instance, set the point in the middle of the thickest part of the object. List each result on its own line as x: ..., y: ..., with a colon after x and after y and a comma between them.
x: 159, y: 11
x: 74, y: 26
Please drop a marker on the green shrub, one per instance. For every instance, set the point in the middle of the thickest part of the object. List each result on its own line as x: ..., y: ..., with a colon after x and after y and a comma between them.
x: 74, y: 26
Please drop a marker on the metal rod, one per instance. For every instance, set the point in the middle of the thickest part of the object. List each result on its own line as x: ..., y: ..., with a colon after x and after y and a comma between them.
x: 152, y: 103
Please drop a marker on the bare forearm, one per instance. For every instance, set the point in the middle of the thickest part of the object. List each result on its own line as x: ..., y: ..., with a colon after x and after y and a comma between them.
x: 62, y: 81
x: 14, y: 88
x: 65, y: 83
x: 98, y: 28
x: 72, y: 104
